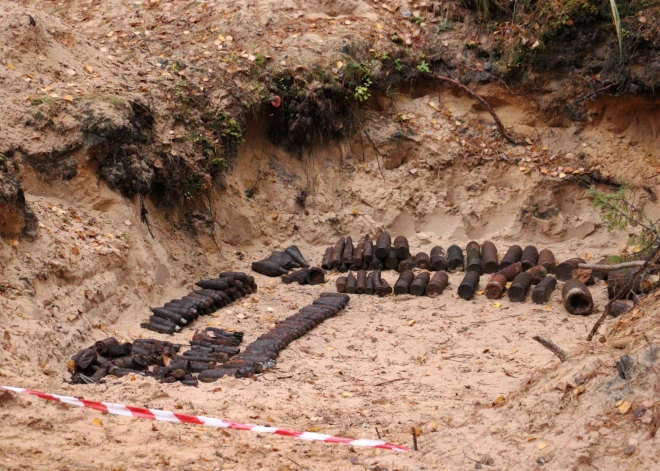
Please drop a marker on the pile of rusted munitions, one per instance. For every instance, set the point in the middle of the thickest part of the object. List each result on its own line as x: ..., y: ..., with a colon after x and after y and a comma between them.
x: 520, y: 267
x: 110, y: 357
x: 213, y: 294
x: 343, y: 256
x: 261, y: 353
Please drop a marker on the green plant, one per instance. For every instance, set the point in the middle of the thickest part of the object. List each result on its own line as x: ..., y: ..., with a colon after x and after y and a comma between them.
x: 260, y: 59
x: 617, y: 24
x: 423, y: 67
x: 619, y: 211
x: 396, y: 38
x: 385, y: 56
x: 397, y: 65
x: 194, y: 184
x: 408, y: 51
x: 362, y: 91
x: 443, y: 26
x: 416, y: 20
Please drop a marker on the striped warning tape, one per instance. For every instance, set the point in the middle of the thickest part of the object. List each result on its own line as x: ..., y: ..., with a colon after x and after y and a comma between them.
x: 168, y: 416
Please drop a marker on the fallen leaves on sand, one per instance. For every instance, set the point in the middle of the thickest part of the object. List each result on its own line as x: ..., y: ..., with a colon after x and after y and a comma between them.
x: 97, y: 422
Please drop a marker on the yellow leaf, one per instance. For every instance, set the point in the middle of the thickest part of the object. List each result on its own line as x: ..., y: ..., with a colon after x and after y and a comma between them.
x: 97, y: 422
x: 340, y: 64
x: 480, y: 293
x: 411, y: 322
x: 500, y: 399
x: 587, y: 256
x: 530, y: 439
x: 379, y: 26
x: 541, y: 446
x: 548, y: 308
x: 356, y: 212
x: 623, y: 406
x: 68, y: 98
x: 637, y: 249
x: 497, y: 304
x: 89, y: 68
x: 331, y: 348
x: 433, y: 426
x: 347, y: 394
x: 314, y: 429
x: 10, y: 66
x: 418, y: 431
x: 275, y: 216
x: 221, y: 37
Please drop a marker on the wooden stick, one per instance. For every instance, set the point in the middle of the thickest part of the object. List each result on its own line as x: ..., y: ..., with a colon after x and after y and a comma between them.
x: 597, y: 266
x: 483, y: 102
x: 414, y: 434
x: 550, y: 345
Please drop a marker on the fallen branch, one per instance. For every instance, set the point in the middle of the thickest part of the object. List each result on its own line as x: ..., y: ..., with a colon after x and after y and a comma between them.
x: 483, y: 102
x: 597, y: 266
x: 550, y: 345
x: 623, y: 292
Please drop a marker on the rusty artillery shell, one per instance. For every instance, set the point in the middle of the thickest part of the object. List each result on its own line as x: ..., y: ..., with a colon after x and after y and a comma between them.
x: 469, y: 285
x: 357, y: 256
x: 239, y: 275
x: 268, y: 268
x: 347, y: 254
x: 220, y: 298
x: 438, y: 258
x: 402, y: 285
x: 84, y: 358
x: 210, y: 376
x: 407, y: 263
x: 367, y: 249
x: 401, y: 247
x: 298, y: 276
x: 343, y: 268
x: 455, y: 258
x: 169, y: 315
x: 189, y: 314
x: 341, y: 284
x: 351, y: 283
x: 369, y: 288
x: 564, y: 271
x: 519, y: 287
x: 207, y: 301
x: 219, y: 284
x: 619, y: 307
x: 118, y: 350
x: 156, y: 328
x: 123, y: 362
x: 437, y: 284
x: 361, y: 285
x: 530, y: 257
x: 215, y: 358
x: 513, y: 255
x: 315, y: 276
x: 376, y: 265
x: 121, y: 372
x: 190, y: 382
x: 419, y: 284
x: 547, y: 260
x: 489, y: 257
x: 542, y: 292
x: 294, y: 252
x: 381, y: 287
x: 383, y: 245
x: 511, y: 271
x: 199, y: 366
x: 422, y: 261
x: 334, y: 302
x: 473, y: 257
x: 168, y: 380
x: 164, y: 322
x: 99, y: 374
x: 325, y: 263
x: 329, y: 294
x: 537, y: 273
x: 283, y: 259
x: 101, y: 346
x: 392, y: 261
x: 337, y: 253
x: 200, y: 336
x: 495, y: 286
x: 577, y: 298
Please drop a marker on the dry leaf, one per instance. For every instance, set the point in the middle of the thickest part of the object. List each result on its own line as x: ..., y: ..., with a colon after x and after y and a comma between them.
x: 500, y: 399
x: 331, y: 348
x: 480, y: 293
x: 89, y: 68
x: 10, y: 66
x: 347, y: 394
x: 541, y: 446
x: 314, y: 429
x: 97, y: 422
x: 411, y: 322
x: 623, y: 406
x: 497, y: 304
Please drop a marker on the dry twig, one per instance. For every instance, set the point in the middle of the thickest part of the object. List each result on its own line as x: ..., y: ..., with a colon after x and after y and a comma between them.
x: 553, y: 347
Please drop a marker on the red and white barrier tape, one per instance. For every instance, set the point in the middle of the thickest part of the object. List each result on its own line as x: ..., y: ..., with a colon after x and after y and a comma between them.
x: 168, y: 416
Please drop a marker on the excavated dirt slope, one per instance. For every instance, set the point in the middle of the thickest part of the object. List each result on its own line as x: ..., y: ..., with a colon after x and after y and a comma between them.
x: 467, y: 374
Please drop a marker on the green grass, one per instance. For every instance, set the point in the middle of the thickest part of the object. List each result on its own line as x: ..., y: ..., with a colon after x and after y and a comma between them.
x: 617, y: 24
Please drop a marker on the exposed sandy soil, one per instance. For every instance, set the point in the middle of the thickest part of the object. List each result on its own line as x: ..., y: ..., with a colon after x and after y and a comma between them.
x: 467, y: 374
